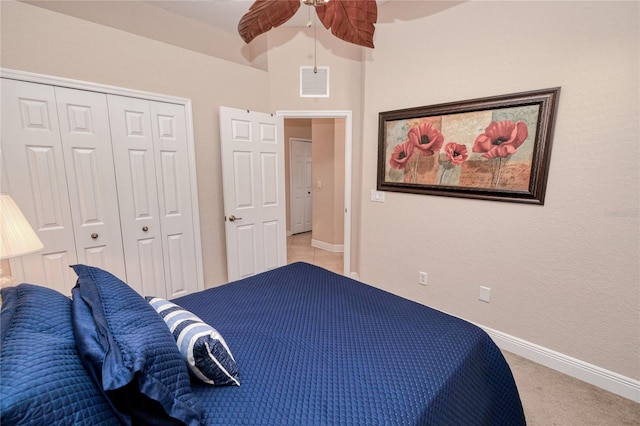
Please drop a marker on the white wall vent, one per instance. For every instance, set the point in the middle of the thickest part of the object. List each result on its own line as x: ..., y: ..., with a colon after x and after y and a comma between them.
x: 314, y: 84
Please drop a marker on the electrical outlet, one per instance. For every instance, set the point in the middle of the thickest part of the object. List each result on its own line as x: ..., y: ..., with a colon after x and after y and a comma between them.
x: 422, y: 278
x: 485, y: 292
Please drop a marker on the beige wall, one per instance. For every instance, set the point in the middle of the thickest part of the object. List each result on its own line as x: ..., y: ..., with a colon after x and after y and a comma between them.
x: 146, y: 20
x: 328, y: 168
x: 38, y: 40
x: 564, y: 275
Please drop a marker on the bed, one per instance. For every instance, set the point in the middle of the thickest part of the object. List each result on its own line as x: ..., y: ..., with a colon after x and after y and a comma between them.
x: 305, y: 346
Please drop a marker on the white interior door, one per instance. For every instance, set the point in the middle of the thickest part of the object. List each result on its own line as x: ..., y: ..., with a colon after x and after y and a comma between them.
x: 301, y: 186
x: 168, y: 124
x: 86, y: 142
x: 137, y: 194
x: 252, y: 148
x: 33, y: 162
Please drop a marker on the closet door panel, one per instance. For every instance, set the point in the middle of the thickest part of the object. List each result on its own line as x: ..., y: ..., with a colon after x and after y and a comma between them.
x: 86, y: 141
x: 174, y: 194
x: 134, y: 163
x: 34, y: 166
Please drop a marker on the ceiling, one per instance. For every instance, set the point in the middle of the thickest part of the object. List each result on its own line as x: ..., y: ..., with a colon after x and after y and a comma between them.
x: 225, y: 14
x: 187, y: 23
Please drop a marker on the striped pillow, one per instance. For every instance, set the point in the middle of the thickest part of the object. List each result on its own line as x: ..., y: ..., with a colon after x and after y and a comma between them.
x: 203, y: 348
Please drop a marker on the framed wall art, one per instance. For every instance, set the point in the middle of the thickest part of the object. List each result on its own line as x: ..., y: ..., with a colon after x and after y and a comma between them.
x: 495, y: 148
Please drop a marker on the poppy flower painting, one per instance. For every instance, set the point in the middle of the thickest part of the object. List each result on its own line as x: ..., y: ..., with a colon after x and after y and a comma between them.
x: 501, y: 139
x: 401, y: 155
x: 494, y: 148
x: 456, y: 153
x: 426, y: 138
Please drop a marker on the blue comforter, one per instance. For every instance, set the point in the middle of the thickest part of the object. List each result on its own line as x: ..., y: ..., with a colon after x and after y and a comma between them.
x: 316, y: 348
x: 312, y: 348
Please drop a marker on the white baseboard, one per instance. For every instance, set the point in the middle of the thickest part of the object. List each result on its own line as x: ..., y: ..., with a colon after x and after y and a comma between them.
x: 334, y: 248
x: 597, y: 376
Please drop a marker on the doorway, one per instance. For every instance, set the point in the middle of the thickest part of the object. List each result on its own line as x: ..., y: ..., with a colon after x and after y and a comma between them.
x: 346, y: 117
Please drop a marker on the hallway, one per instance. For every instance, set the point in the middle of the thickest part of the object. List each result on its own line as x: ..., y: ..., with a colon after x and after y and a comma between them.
x: 299, y: 249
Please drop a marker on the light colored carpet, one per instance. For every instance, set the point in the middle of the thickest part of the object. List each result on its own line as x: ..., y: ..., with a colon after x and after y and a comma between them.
x: 552, y: 398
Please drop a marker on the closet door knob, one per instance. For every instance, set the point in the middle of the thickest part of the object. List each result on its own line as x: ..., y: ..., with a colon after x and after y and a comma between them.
x: 232, y: 218
x: 94, y: 235
x: 145, y: 228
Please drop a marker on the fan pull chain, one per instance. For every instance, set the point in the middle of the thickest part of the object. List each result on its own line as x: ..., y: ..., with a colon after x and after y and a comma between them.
x: 315, y: 44
x: 313, y: 3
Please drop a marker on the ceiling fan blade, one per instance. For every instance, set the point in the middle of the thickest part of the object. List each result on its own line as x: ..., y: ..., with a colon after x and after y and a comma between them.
x: 350, y: 20
x: 264, y: 15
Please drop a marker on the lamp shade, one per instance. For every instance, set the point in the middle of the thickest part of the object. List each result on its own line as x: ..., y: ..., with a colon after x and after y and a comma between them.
x: 16, y: 235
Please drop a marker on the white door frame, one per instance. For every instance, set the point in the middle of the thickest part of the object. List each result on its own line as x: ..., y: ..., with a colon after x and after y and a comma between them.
x: 348, y: 140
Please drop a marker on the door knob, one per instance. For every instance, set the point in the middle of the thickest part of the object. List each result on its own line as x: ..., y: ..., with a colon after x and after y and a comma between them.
x: 232, y: 218
x: 94, y: 235
x: 145, y: 228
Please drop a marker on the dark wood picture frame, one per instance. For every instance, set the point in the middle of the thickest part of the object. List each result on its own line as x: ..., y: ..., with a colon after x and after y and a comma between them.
x: 494, y: 148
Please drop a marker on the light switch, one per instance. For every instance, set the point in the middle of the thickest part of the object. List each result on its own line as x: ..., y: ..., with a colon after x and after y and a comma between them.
x: 377, y: 196
x: 319, y: 184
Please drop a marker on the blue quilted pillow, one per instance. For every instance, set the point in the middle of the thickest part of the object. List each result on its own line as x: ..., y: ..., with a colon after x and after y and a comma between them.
x: 42, y: 381
x: 129, y: 351
x: 202, y: 347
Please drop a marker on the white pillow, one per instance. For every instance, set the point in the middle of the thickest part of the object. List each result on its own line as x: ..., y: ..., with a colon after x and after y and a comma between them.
x: 203, y: 348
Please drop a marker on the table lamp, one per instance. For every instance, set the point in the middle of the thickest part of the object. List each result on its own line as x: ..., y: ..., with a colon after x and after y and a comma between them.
x: 17, y: 237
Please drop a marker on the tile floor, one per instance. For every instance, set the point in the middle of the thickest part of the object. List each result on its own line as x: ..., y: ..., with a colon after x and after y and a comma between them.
x: 299, y: 249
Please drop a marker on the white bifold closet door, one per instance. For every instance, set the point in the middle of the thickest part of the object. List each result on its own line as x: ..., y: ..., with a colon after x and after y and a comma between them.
x: 150, y: 158
x: 86, y: 147
x: 54, y: 142
x: 104, y: 180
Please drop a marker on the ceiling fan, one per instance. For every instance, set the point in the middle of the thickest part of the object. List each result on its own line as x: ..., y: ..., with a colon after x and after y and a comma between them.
x: 349, y: 20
